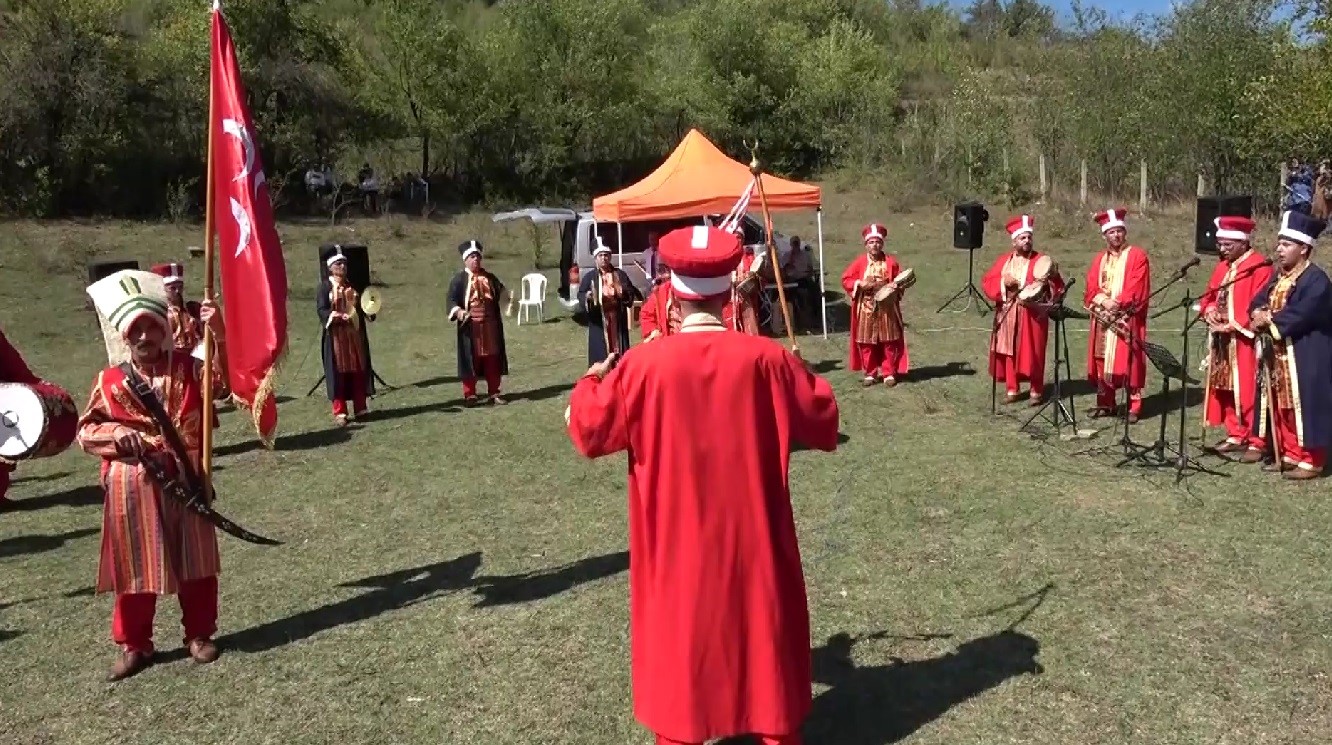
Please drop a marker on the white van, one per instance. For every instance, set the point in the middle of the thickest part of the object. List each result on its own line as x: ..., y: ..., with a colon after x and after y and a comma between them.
x: 579, y: 229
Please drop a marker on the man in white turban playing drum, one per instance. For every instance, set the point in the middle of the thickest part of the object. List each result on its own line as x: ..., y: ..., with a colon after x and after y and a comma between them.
x: 151, y: 544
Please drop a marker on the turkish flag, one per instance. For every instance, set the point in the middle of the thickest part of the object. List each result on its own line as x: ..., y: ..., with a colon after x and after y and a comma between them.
x: 254, y: 272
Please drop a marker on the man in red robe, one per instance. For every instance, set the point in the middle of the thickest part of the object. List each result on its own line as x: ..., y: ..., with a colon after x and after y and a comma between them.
x: 1231, y: 360
x: 13, y: 369
x: 718, y: 614
x: 660, y: 315
x: 878, y: 341
x: 1118, y: 285
x: 183, y: 317
x: 1022, y: 327
x: 747, y: 290
x: 151, y: 544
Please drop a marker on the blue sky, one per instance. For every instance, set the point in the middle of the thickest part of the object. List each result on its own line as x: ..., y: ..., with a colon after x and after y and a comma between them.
x: 1120, y: 9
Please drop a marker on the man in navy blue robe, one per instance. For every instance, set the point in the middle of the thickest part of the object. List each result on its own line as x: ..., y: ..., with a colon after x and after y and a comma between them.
x: 1294, y: 313
x: 606, y: 294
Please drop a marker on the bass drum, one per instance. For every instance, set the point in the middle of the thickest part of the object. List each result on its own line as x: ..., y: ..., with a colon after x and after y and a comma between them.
x: 36, y: 421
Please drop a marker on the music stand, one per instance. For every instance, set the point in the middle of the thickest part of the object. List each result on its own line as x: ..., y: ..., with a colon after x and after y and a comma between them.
x: 970, y: 291
x: 1061, y: 414
x: 1161, y: 453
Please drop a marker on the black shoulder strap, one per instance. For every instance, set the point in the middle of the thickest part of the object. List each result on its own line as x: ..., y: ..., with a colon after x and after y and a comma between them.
x: 150, y: 401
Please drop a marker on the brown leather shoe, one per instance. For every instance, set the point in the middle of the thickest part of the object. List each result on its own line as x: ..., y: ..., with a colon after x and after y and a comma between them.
x: 1301, y: 474
x: 1226, y: 446
x: 203, y: 651
x: 890, y: 382
x: 869, y: 380
x: 131, y: 663
x: 498, y: 400
x: 1036, y: 399
x: 1251, y: 456
x: 1133, y: 417
x: 1012, y: 398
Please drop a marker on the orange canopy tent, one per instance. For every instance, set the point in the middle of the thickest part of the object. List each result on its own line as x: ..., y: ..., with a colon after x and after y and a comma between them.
x: 698, y: 179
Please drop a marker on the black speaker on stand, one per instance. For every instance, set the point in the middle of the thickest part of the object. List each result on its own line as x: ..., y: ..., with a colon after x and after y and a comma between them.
x: 969, y: 221
x: 1210, y: 208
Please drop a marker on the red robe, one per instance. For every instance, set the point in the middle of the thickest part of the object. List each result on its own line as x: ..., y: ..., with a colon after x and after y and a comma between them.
x: 744, y: 308
x: 1233, y: 356
x: 718, y: 614
x: 150, y: 542
x: 1127, y: 280
x: 12, y: 370
x: 851, y: 279
x: 1032, y: 328
x: 660, y: 314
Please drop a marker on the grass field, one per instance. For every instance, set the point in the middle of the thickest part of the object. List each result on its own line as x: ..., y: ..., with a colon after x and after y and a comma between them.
x: 458, y: 576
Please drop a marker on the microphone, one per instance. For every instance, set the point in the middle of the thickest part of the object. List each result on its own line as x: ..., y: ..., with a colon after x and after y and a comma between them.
x: 1195, y: 261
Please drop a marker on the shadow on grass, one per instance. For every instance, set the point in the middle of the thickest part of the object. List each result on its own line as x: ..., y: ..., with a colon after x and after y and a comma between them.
x: 303, y: 441
x: 36, y: 544
x: 936, y: 372
x: 880, y: 704
x: 40, y: 479
x: 79, y: 496
x: 402, y: 589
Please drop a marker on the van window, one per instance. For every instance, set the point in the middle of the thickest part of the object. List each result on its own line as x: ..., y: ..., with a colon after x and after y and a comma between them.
x: 636, y: 234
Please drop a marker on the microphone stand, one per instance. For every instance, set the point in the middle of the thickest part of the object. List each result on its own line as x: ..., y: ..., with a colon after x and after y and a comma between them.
x: 1062, y: 414
x: 1157, y: 454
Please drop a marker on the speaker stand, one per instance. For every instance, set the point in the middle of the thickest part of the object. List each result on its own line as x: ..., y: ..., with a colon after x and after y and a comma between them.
x: 969, y: 291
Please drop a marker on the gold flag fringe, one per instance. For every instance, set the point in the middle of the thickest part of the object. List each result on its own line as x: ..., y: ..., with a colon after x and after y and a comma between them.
x: 267, y: 389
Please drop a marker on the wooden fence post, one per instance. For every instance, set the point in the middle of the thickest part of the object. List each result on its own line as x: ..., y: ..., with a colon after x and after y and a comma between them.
x: 1082, y: 191
x: 1044, y: 184
x: 1142, y: 188
x: 1281, y: 188
x: 1202, y: 185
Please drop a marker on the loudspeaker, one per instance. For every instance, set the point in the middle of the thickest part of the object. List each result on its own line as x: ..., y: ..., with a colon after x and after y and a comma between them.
x: 969, y: 225
x: 1210, y: 208
x: 358, y: 263
x: 103, y: 269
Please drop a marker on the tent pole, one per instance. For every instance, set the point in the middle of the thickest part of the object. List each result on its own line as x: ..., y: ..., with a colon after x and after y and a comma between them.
x: 823, y: 292
x: 619, y: 243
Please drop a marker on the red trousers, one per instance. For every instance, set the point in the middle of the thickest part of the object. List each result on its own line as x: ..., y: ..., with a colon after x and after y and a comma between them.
x: 1238, y: 420
x: 132, y: 618
x: 5, y: 470
x: 1105, y: 390
x: 765, y: 739
x: 489, y: 366
x: 350, y: 385
x: 1008, y: 363
x: 1309, y: 459
x: 880, y: 360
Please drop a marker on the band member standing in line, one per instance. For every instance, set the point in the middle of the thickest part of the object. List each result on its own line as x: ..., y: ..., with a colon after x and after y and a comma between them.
x: 708, y: 418
x: 1294, y: 310
x: 474, y: 296
x: 878, y: 341
x: 345, y: 347
x: 606, y: 294
x: 661, y: 311
x: 183, y: 317
x: 1118, y: 285
x: 1017, y: 351
x: 746, y: 289
x: 13, y: 369
x: 1232, y: 364
x: 151, y: 544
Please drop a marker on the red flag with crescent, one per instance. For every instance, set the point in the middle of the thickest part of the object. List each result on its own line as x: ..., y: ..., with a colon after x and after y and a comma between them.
x: 253, y: 270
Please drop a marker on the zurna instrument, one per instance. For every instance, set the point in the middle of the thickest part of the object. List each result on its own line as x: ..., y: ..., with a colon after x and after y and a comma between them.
x: 747, y: 284
x: 36, y: 421
x: 1116, y: 321
x: 1039, y: 291
x: 904, y: 280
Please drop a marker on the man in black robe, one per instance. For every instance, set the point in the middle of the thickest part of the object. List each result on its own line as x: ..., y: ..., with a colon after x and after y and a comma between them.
x: 474, y: 296
x: 345, y: 345
x: 606, y: 294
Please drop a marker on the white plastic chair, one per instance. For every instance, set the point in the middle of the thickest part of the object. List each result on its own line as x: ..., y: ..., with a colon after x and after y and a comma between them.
x: 534, y: 296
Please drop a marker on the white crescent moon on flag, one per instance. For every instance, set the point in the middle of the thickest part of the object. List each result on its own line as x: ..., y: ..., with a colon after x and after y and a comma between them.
x: 237, y: 130
x: 242, y: 223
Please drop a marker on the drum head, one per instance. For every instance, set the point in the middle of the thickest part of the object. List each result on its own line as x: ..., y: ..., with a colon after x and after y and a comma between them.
x: 1031, y: 292
x: 905, y: 278
x: 884, y: 293
x: 1042, y: 268
x: 22, y: 420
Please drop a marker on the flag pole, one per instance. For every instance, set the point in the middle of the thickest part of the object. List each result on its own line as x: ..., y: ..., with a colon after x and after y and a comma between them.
x: 756, y: 169
x: 207, y: 465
